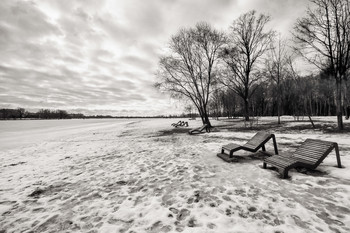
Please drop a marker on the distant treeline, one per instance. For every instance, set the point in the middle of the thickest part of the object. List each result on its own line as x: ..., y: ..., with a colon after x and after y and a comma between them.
x: 21, y: 113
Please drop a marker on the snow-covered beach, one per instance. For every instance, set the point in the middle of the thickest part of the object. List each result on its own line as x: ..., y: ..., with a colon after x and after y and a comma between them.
x: 142, y: 175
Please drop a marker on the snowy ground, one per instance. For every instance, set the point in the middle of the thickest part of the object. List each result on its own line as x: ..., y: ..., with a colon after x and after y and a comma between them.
x: 140, y: 175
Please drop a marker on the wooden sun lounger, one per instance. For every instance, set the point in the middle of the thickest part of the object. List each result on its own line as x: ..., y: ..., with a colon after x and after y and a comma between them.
x: 309, y: 155
x: 176, y: 124
x: 182, y: 123
x: 200, y: 129
x: 253, y: 145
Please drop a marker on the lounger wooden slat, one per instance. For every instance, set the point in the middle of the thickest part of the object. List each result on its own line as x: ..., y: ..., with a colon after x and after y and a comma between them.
x: 307, y: 154
x: 307, y: 161
x: 319, y: 142
x: 315, y: 148
x: 310, y: 154
x: 313, y: 142
x: 314, y: 145
x: 306, y: 157
x: 281, y: 162
x: 230, y: 146
x: 253, y: 145
x: 311, y: 150
x: 317, y: 145
x: 250, y: 147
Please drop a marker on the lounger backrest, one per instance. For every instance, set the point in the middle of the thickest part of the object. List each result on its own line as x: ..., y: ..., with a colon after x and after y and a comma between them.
x: 258, y: 139
x: 203, y: 127
x: 198, y: 129
x: 312, y: 152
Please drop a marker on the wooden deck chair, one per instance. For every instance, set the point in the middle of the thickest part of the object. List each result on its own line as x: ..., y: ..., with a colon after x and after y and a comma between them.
x: 176, y: 124
x: 182, y: 123
x: 253, y: 145
x: 309, y: 155
x: 200, y: 129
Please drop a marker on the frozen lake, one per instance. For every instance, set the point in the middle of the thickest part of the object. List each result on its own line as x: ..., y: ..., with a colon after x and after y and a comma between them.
x: 17, y: 133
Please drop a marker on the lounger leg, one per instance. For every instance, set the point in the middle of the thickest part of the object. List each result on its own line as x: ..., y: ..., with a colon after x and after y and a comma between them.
x: 222, y: 151
x: 263, y: 148
x: 275, y: 144
x: 337, y: 154
x: 284, y: 174
x: 264, y: 165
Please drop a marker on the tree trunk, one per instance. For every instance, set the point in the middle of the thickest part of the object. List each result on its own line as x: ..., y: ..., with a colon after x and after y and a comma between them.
x: 339, y: 105
x: 204, y: 115
x: 206, y: 118
x: 279, y: 110
x: 201, y: 114
x: 246, y: 109
x: 329, y: 108
x: 312, y: 122
x: 310, y: 106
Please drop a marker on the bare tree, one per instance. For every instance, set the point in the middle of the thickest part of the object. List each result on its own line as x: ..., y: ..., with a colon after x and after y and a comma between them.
x: 323, y: 36
x: 215, y: 103
x: 21, y: 112
x: 276, y: 66
x: 301, y: 89
x: 248, y: 42
x: 229, y: 102
x: 188, y: 109
x: 44, y: 113
x: 189, y: 71
x: 5, y: 113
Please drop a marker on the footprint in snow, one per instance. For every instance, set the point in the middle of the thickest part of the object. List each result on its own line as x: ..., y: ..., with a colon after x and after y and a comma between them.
x: 184, y: 213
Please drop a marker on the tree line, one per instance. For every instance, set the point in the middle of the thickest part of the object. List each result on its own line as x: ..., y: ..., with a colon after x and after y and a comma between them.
x: 21, y: 113
x: 252, y: 70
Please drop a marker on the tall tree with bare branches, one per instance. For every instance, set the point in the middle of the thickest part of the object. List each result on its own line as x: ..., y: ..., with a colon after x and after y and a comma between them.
x: 248, y: 42
x: 276, y: 69
x: 323, y: 38
x: 190, y: 68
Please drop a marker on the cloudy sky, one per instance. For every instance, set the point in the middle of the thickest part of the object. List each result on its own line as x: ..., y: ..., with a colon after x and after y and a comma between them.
x: 99, y: 57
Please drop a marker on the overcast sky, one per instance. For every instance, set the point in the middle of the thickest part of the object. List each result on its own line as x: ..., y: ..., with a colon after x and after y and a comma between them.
x: 99, y: 57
